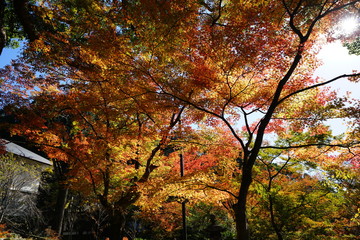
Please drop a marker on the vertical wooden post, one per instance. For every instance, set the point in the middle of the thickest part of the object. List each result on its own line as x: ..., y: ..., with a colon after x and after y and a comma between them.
x: 181, y: 165
x: 183, y: 204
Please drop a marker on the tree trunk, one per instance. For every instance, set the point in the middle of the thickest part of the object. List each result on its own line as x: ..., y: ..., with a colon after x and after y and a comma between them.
x: 22, y: 11
x: 242, y: 231
x: 60, y: 169
x: 60, y: 209
x: 116, y: 228
x: 272, y: 217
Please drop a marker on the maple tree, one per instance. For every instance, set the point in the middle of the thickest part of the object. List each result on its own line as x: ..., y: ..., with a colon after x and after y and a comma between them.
x: 109, y: 154
x: 115, y: 74
x: 206, y: 177
x: 111, y: 140
x: 294, y: 197
x: 230, y: 65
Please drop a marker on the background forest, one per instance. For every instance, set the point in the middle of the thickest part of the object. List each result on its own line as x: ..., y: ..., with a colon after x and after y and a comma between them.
x: 151, y: 110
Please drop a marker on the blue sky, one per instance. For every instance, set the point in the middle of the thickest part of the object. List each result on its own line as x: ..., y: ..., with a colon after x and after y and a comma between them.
x: 7, y: 55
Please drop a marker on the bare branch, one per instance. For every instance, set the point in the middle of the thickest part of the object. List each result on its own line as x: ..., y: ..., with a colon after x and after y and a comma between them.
x: 348, y: 145
x: 222, y: 190
x: 292, y: 15
x: 317, y: 85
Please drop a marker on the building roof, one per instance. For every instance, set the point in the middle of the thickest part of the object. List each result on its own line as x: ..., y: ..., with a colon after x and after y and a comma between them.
x: 23, y: 152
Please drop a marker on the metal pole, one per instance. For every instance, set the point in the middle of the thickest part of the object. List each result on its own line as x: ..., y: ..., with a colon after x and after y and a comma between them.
x: 183, y: 204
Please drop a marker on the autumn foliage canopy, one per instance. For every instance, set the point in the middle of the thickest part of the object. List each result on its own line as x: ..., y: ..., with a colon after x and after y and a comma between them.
x: 120, y: 90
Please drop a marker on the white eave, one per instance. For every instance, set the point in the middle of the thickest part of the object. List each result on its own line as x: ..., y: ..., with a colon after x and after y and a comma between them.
x: 23, y: 152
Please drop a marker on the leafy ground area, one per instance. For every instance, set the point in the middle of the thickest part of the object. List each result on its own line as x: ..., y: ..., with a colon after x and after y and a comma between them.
x: 145, y: 106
